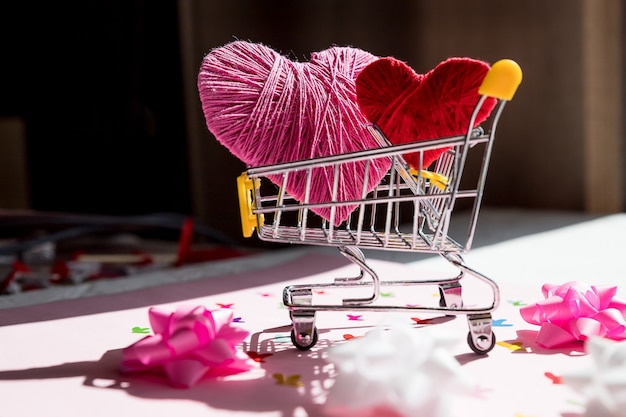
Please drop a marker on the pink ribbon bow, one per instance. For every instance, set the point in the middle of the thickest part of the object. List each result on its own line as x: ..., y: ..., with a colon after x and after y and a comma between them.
x: 575, y: 311
x: 188, y: 344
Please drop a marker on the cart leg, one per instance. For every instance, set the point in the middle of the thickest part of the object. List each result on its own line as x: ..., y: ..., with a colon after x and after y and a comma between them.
x: 480, y: 337
x: 450, y: 294
x: 457, y: 260
x: 353, y: 254
x: 356, y: 256
x: 303, y: 333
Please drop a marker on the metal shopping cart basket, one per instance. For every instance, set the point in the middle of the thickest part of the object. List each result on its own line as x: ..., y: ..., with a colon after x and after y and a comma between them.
x: 410, y: 210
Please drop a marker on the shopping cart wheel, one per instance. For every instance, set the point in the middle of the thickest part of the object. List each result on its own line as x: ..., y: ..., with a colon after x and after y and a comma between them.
x: 304, y: 341
x: 481, y: 344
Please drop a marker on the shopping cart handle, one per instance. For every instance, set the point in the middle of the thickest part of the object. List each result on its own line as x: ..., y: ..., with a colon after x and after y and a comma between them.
x: 502, y: 80
x: 249, y: 220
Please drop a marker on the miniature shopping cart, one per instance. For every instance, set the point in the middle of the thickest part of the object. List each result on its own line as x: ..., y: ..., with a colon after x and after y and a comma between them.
x: 409, y: 210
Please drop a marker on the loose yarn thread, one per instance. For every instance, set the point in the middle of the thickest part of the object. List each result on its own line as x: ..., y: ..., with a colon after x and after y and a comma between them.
x: 267, y: 109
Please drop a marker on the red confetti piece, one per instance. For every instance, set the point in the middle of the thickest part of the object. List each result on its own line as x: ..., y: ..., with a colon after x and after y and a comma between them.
x: 258, y: 357
x: 555, y: 379
x: 421, y: 321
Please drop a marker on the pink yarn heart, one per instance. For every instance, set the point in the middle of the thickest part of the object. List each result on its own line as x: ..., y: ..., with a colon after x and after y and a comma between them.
x: 268, y: 109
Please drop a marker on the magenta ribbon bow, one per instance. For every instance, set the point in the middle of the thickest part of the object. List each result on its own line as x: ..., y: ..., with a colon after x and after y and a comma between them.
x: 188, y: 344
x: 574, y: 311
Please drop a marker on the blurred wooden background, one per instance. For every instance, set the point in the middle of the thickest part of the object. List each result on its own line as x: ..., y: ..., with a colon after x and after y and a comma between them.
x: 561, y: 140
x: 99, y: 100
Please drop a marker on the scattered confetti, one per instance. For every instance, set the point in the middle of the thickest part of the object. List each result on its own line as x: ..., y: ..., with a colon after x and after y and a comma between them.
x: 555, y: 379
x: 141, y: 330
x: 292, y: 380
x: 258, y: 357
x: 511, y: 346
x: 481, y: 392
x: 500, y: 323
x: 421, y: 321
x: 282, y: 338
x: 577, y: 403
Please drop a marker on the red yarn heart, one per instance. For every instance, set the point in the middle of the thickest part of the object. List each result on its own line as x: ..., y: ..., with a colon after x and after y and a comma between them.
x: 268, y: 109
x: 409, y: 107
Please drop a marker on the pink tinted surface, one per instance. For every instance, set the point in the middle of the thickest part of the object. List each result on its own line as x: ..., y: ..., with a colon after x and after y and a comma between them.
x: 63, y: 358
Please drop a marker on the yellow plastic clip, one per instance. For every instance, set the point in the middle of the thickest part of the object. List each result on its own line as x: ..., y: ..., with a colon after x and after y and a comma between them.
x: 438, y: 180
x: 502, y: 80
x: 249, y: 220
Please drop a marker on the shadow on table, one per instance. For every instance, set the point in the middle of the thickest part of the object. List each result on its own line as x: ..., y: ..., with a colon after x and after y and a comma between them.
x: 287, y: 381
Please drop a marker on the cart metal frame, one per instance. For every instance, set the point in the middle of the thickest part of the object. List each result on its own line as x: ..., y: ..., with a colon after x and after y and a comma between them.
x: 410, y: 211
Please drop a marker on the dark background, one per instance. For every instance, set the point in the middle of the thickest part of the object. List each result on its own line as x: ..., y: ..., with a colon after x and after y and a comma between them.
x: 105, y: 90
x: 98, y: 85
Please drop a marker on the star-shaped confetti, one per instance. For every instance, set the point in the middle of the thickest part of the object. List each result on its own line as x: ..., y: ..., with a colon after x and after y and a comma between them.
x: 258, y: 357
x: 421, y: 321
x: 604, y: 385
x: 282, y: 338
x: 290, y: 380
x: 140, y: 330
x: 554, y: 378
x: 515, y: 345
x: 500, y: 323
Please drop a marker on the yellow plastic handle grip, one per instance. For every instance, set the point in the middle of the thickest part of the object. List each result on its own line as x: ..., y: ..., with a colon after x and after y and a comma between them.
x: 249, y: 220
x: 436, y: 179
x: 502, y: 80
